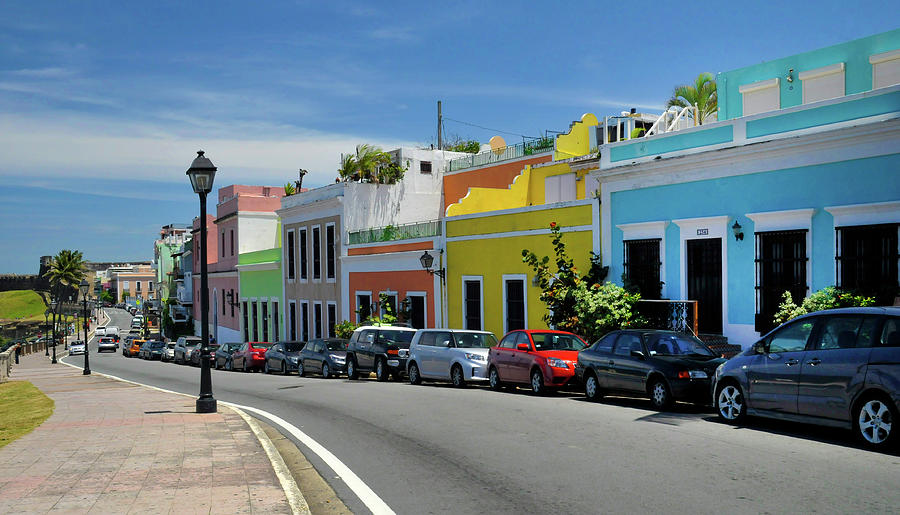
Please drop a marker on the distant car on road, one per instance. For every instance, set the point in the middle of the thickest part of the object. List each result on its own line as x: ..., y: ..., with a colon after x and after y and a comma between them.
x: 135, y: 347
x: 250, y: 356
x: 282, y: 357
x: 453, y: 355
x: 540, y: 359
x: 223, y: 355
x: 168, y: 353
x: 112, y: 331
x: 107, y: 343
x: 153, y: 349
x: 183, y: 348
x: 323, y: 356
x: 100, y: 330
x: 194, y: 359
x: 76, y: 347
x: 383, y: 349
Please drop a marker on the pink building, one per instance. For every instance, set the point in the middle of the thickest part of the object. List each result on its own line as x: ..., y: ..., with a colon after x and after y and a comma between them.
x: 245, y: 221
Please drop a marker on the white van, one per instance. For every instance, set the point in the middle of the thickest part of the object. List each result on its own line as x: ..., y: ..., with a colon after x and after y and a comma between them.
x: 100, y: 330
x: 113, y: 331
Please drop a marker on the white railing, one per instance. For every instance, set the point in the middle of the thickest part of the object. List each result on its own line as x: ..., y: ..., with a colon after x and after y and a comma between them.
x: 683, y: 119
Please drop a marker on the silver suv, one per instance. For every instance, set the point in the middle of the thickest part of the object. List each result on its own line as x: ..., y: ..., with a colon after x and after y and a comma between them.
x: 838, y: 368
x: 454, y: 355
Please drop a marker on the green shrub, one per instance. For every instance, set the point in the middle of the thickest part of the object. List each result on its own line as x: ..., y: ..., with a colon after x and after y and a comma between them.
x: 600, y: 309
x: 345, y: 329
x: 826, y: 298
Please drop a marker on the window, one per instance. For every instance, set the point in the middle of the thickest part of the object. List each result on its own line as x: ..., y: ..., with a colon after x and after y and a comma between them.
x: 125, y: 285
x: 605, y: 344
x: 223, y: 243
x: 890, y: 335
x: 822, y: 83
x: 626, y: 343
x: 255, y: 322
x: 329, y: 251
x: 867, y: 260
x: 559, y: 188
x: 316, y: 253
x: 223, y: 302
x: 885, y: 69
x: 781, y: 262
x: 265, y: 321
x: 317, y: 319
x: 514, y: 304
x: 472, y: 303
x: 290, y: 256
x: 363, y: 306
x: 332, y: 319
x: 137, y: 286
x: 276, y: 329
x: 292, y: 320
x: 442, y: 339
x: 424, y: 166
x: 303, y: 258
x: 231, y: 235
x: 509, y: 341
x: 417, y: 316
x: 761, y: 97
x: 304, y: 321
x: 150, y: 286
x: 791, y: 338
x: 427, y: 339
x: 245, y: 314
x: 642, y: 266
x: 845, y: 332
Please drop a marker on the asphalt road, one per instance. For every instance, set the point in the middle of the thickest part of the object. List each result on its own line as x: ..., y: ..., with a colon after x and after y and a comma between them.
x: 435, y: 449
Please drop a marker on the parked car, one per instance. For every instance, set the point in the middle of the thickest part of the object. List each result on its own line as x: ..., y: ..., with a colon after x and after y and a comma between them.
x: 153, y: 349
x: 126, y: 343
x: 382, y: 349
x: 76, y: 347
x: 183, y: 347
x: 100, y: 330
x: 665, y: 366
x: 327, y: 356
x: 250, y: 356
x: 282, y: 357
x: 168, y: 353
x: 107, y: 343
x: 135, y: 347
x: 194, y: 359
x: 541, y: 359
x: 223, y: 354
x: 838, y: 368
x: 454, y: 355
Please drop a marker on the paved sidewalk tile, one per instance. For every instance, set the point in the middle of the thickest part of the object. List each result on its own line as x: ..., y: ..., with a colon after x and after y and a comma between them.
x: 112, y: 447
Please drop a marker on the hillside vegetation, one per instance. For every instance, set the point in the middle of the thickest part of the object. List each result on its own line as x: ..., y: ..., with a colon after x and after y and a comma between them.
x: 17, y: 304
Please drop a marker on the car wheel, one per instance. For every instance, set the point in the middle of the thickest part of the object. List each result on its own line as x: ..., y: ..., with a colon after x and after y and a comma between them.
x: 414, y: 377
x: 874, y: 422
x: 660, y: 396
x: 730, y: 404
x: 326, y: 373
x: 352, y: 371
x: 283, y: 368
x: 300, y: 370
x: 494, y: 379
x: 592, y: 388
x: 457, y: 377
x: 266, y: 368
x: 537, y: 382
x: 381, y: 370
x: 229, y: 366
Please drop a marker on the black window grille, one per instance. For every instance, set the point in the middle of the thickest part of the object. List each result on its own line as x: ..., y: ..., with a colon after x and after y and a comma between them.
x: 515, y: 304
x: 781, y: 261
x: 642, y: 267
x: 303, y: 266
x: 473, y: 305
x: 317, y: 256
x: 290, y: 255
x: 329, y: 252
x: 867, y: 260
x: 246, y: 322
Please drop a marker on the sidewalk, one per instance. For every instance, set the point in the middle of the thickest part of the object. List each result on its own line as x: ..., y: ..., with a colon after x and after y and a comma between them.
x: 113, y: 447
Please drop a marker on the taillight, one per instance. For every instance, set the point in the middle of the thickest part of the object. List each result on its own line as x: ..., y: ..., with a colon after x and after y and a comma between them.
x: 684, y: 374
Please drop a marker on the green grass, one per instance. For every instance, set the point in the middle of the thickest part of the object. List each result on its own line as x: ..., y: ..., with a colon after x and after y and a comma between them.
x: 22, y: 408
x: 21, y: 304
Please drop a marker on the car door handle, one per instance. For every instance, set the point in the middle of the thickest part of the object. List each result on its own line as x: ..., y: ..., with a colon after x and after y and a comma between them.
x: 814, y: 361
x: 791, y: 362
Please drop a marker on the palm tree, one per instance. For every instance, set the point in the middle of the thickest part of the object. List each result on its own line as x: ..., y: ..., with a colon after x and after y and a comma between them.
x: 702, y: 93
x: 66, y: 270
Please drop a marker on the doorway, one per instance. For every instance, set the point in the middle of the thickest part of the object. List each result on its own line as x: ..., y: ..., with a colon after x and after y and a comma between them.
x: 704, y: 282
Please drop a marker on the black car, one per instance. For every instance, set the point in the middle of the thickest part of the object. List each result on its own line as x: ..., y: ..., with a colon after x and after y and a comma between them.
x: 837, y: 368
x: 194, y: 355
x: 326, y: 356
x: 152, y: 349
x: 663, y: 365
x: 382, y: 349
x: 222, y: 356
x: 282, y: 357
x: 183, y: 348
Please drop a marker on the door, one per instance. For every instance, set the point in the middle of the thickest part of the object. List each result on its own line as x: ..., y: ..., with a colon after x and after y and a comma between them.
x: 520, y: 361
x: 704, y: 282
x: 627, y: 372
x: 502, y: 356
x: 835, y: 366
x: 599, y: 357
x: 438, y: 362
x: 424, y: 352
x: 274, y: 355
x: 774, y: 379
x: 364, y: 357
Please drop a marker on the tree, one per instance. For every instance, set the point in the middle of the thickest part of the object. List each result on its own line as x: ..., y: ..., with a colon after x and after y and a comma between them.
x: 370, y: 164
x: 827, y: 298
x: 66, y: 270
x: 702, y: 93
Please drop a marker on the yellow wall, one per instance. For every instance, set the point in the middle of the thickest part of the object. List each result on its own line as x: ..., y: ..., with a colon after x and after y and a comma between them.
x: 521, y: 221
x: 577, y: 142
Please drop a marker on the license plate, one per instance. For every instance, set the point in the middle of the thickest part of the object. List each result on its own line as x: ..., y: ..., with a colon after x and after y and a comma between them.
x: 394, y: 362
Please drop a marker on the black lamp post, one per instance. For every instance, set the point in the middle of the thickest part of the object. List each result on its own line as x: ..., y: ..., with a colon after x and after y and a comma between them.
x: 55, y: 305
x: 46, y: 331
x: 202, y: 172
x: 87, y: 348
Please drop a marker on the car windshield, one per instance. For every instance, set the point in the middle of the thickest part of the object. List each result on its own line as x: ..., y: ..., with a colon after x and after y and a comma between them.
x: 191, y: 343
x: 676, y: 345
x: 293, y: 347
x: 475, y: 340
x: 157, y: 345
x: 336, y: 344
x: 554, y: 341
x: 170, y: 345
x: 395, y: 337
x: 260, y: 345
x: 230, y: 347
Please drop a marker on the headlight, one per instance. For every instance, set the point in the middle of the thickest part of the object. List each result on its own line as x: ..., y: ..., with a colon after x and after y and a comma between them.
x: 292, y: 359
x: 336, y: 358
x: 475, y: 357
x: 557, y: 363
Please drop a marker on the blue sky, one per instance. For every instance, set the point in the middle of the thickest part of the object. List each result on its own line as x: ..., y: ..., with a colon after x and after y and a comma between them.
x: 103, y: 104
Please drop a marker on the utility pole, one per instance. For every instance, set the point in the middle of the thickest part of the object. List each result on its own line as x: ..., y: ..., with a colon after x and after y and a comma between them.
x: 440, y: 124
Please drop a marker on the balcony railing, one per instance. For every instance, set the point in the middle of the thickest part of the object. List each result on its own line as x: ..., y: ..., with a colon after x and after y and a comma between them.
x: 526, y: 148
x: 672, y: 315
x: 395, y: 232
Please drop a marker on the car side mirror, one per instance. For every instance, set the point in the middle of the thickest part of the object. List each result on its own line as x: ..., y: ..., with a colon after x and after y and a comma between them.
x: 637, y: 354
x: 523, y: 346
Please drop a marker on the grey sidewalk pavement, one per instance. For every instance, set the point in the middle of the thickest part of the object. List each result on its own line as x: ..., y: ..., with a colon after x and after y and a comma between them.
x: 113, y: 447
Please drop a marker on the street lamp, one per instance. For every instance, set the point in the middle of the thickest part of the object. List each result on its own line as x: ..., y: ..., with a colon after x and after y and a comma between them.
x: 202, y: 172
x: 87, y: 348
x: 427, y: 260
x: 55, y: 305
x: 46, y: 330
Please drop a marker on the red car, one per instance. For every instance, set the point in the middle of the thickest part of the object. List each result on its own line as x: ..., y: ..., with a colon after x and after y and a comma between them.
x: 249, y: 356
x: 541, y: 359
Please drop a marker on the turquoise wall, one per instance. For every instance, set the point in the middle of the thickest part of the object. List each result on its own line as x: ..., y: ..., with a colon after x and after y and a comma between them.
x: 858, y: 72
x: 671, y: 143
x: 848, y: 182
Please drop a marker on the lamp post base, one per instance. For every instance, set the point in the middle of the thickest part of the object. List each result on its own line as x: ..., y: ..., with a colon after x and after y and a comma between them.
x: 206, y: 405
x: 86, y: 372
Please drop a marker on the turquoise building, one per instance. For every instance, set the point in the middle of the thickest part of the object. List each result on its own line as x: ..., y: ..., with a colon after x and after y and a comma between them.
x: 795, y: 188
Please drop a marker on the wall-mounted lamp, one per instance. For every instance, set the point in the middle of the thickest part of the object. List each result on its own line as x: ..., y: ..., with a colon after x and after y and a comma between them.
x: 231, y: 300
x: 737, y: 230
x: 790, y: 77
x: 427, y: 261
